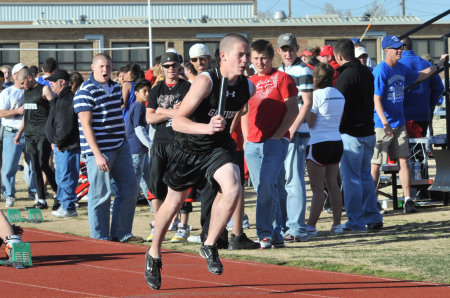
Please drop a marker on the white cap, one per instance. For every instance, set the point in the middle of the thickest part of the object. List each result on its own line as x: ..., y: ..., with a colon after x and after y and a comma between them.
x: 171, y: 50
x: 198, y: 50
x: 17, y: 68
x: 359, y: 51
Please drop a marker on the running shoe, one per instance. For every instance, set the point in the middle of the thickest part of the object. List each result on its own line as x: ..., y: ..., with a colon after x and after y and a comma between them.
x: 153, y: 268
x: 312, y: 231
x: 409, y: 207
x: 9, y: 201
x: 174, y: 225
x: 210, y: 253
x: 291, y: 238
x: 181, y: 235
x: 64, y: 213
x: 265, y: 243
x: 336, y: 230
x: 242, y: 242
x: 39, y: 205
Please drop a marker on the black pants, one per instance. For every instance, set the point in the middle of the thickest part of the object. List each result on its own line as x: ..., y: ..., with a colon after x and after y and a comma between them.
x: 39, y: 151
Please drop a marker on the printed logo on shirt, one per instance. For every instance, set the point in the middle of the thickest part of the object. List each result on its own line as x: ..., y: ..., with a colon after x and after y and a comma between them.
x: 266, y: 86
x: 226, y: 114
x: 167, y: 101
x: 233, y: 94
x: 395, y: 92
x: 30, y: 106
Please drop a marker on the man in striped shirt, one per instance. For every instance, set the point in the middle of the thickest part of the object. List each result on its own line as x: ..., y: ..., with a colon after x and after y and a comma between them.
x: 107, y: 154
x: 294, y: 204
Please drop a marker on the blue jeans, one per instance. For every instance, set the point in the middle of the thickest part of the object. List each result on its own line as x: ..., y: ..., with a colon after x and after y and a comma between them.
x: 10, y: 157
x: 295, y: 204
x: 141, y: 164
x: 265, y: 163
x: 99, y: 196
x: 359, y: 189
x: 67, y: 166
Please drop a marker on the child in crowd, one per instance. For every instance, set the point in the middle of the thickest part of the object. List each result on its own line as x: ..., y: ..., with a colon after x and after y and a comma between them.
x: 137, y: 134
x: 325, y: 147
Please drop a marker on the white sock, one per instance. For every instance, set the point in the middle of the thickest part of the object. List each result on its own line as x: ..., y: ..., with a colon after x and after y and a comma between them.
x: 42, y: 201
x: 407, y: 199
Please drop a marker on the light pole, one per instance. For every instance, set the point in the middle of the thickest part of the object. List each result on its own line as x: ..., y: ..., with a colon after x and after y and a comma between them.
x: 150, y: 47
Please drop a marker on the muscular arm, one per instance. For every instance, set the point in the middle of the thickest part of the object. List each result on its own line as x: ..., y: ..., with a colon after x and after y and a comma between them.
x: 11, y: 113
x: 86, y: 124
x: 47, y: 93
x: 288, y: 119
x: 199, y: 90
x: 126, y: 88
x: 153, y: 118
x: 304, y: 110
x: 424, y: 74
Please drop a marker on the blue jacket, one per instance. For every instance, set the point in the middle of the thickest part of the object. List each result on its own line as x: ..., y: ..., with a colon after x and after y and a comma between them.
x: 418, y: 100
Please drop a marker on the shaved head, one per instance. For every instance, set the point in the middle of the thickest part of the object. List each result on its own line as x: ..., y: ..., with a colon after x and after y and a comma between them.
x: 24, y: 73
x: 228, y: 41
x: 101, y: 56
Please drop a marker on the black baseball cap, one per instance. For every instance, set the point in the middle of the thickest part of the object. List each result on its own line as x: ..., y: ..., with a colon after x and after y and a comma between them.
x: 57, y: 75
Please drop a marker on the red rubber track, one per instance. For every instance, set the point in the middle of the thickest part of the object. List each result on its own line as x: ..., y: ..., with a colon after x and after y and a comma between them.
x: 66, y: 265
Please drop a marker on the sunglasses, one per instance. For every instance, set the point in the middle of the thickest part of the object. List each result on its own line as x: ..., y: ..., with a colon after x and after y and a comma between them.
x: 399, y: 48
x: 167, y: 66
x: 196, y: 59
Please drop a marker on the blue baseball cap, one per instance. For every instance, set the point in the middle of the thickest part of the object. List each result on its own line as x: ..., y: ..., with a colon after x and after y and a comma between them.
x: 391, y: 41
x: 356, y: 41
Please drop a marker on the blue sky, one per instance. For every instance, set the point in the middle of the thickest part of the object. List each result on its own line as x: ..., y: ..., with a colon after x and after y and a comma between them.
x: 424, y: 9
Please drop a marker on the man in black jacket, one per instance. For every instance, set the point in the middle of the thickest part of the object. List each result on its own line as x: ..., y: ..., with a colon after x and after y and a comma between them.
x: 355, y: 81
x: 62, y: 131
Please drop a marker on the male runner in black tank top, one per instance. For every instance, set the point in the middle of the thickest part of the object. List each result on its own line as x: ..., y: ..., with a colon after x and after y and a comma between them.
x: 36, y: 109
x: 204, y: 150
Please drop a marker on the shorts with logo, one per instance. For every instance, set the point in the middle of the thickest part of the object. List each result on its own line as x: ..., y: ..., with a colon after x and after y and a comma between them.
x: 325, y: 153
x: 192, y: 169
x: 394, y: 147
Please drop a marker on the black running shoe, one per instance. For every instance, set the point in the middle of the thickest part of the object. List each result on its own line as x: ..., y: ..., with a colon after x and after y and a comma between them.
x: 56, y: 204
x: 210, y: 253
x: 374, y: 227
x: 39, y: 205
x: 242, y: 242
x: 153, y: 268
x: 409, y: 207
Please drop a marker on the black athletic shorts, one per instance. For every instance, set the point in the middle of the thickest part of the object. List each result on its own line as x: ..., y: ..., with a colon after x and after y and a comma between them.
x: 192, y: 170
x: 325, y: 153
x: 159, y: 157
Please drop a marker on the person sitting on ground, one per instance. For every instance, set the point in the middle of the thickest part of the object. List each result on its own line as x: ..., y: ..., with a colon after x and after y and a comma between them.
x: 325, y: 148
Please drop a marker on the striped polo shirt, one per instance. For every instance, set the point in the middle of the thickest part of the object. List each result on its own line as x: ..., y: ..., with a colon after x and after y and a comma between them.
x: 107, y: 119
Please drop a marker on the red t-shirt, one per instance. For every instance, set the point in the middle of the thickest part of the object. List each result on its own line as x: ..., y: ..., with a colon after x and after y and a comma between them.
x: 267, y: 107
x: 335, y: 65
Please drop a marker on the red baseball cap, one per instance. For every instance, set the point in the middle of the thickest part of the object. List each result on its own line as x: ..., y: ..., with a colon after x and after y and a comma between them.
x: 326, y: 50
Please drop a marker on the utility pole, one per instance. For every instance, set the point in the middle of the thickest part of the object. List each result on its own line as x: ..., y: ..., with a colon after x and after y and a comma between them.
x: 403, y: 7
x: 289, y: 13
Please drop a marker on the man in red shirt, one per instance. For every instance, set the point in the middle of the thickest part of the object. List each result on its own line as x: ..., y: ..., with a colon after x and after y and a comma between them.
x: 265, y: 128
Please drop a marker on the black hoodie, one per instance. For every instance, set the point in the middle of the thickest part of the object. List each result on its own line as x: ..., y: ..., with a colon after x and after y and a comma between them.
x: 355, y: 81
x: 62, y: 124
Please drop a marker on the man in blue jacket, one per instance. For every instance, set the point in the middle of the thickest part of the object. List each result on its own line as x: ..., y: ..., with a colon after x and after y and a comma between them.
x: 419, y: 100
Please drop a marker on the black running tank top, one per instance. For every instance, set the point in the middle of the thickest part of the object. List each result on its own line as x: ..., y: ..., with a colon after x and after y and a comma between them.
x: 237, y: 97
x: 36, y: 111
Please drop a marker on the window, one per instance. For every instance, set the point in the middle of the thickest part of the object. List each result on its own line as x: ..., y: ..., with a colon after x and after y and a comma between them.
x: 9, y: 57
x: 434, y: 47
x: 139, y: 56
x: 212, y: 47
x: 70, y: 59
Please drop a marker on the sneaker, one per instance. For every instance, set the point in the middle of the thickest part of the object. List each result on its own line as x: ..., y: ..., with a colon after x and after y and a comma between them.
x: 291, y: 238
x: 336, y: 230
x: 174, y: 225
x: 380, y: 208
x: 133, y: 240
x: 242, y: 242
x: 194, y: 239
x: 245, y: 222
x: 210, y: 253
x: 56, y: 204
x: 153, y: 268
x: 64, y: 213
x: 9, y: 201
x: 181, y: 235
x: 409, y: 207
x: 312, y: 231
x: 278, y: 245
x: 373, y: 227
x: 39, y: 205
x: 265, y: 243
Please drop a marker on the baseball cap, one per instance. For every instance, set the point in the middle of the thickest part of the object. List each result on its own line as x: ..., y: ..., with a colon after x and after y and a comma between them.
x: 172, y: 50
x: 169, y: 57
x: 391, y: 41
x: 326, y: 50
x: 198, y: 50
x: 356, y: 41
x: 287, y: 39
x: 17, y: 68
x: 57, y: 75
x: 307, y: 53
x: 359, y: 51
